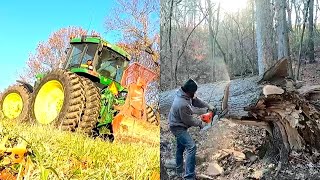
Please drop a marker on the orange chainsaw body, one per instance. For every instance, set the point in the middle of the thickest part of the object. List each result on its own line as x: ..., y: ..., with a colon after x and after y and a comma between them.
x: 207, y: 118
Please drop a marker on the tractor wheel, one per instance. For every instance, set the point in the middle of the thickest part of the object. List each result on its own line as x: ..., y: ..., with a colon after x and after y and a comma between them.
x: 91, y: 111
x: 14, y: 103
x: 151, y: 116
x: 58, y: 100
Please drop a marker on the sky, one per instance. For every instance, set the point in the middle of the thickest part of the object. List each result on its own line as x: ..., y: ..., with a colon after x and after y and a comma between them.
x: 26, y: 23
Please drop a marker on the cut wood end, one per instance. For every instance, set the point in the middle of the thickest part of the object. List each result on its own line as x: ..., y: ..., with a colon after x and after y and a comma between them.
x: 270, y: 89
x: 224, y: 103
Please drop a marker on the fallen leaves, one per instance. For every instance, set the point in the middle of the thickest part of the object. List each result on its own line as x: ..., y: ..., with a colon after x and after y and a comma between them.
x: 14, y: 159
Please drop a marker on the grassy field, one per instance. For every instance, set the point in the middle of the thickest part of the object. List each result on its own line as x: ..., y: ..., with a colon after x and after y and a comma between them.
x: 66, y: 155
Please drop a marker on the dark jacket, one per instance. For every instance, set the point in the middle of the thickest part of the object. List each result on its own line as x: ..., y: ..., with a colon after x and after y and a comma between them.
x: 180, y: 114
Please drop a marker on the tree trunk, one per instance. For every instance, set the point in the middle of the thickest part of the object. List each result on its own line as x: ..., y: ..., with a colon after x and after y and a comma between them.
x: 283, y: 37
x: 301, y: 40
x: 216, y: 30
x: 211, y: 39
x: 281, y: 28
x: 264, y: 42
x: 289, y: 10
x: 172, y: 83
x: 311, y: 36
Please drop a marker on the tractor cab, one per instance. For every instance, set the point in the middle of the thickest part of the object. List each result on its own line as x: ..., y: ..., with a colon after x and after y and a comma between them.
x: 92, y: 55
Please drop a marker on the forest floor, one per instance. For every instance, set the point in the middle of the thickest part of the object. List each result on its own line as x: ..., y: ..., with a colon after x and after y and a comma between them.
x: 231, y: 151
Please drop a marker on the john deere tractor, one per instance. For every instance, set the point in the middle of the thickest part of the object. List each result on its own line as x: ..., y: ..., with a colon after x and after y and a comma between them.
x: 81, y: 96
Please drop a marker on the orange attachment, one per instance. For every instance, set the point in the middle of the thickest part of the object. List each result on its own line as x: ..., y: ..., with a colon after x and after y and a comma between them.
x: 207, y: 117
x: 137, y: 74
x: 135, y: 78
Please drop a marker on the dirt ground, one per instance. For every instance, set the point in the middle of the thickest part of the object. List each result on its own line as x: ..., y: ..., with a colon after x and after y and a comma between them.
x: 244, y: 142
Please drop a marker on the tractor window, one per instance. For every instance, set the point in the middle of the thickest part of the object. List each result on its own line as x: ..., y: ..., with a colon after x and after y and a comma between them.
x: 91, y: 51
x: 111, y: 65
x: 75, y: 54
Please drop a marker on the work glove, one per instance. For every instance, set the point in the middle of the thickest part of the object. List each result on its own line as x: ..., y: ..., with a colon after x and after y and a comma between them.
x: 211, y: 108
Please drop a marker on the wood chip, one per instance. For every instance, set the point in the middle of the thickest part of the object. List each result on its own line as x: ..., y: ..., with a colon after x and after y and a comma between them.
x: 257, y: 174
x: 214, y: 169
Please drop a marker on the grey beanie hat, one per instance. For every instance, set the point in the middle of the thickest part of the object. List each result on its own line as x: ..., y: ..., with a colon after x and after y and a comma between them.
x: 190, y: 86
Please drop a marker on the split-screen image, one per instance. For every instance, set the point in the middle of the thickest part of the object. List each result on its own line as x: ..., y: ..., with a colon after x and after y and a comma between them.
x: 160, y: 89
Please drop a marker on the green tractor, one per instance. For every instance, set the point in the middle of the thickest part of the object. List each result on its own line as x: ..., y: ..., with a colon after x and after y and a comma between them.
x: 79, y: 97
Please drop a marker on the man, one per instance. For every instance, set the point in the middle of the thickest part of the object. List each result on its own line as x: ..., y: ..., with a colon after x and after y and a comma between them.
x: 180, y: 119
x: 89, y: 63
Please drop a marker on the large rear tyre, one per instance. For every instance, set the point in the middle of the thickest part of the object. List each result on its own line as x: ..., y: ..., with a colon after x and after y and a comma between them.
x: 58, y: 100
x: 151, y: 116
x: 14, y: 103
x: 92, y: 105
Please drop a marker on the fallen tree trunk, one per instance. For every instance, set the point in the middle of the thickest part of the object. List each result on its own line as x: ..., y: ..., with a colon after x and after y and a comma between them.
x: 290, y: 115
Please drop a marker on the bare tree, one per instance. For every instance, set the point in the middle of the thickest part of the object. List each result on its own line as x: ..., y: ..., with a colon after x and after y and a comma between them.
x: 311, y: 33
x: 134, y: 20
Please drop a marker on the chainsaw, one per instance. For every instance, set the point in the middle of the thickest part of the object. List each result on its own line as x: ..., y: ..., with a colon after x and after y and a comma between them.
x: 212, y: 117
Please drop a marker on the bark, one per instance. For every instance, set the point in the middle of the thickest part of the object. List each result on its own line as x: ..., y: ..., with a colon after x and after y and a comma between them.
x: 281, y: 28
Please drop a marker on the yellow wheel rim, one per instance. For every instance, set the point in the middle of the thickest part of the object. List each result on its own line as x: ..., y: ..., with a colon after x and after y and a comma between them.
x: 48, y: 102
x: 12, y: 105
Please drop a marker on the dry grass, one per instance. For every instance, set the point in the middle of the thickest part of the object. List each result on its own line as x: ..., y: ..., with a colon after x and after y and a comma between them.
x: 65, y: 155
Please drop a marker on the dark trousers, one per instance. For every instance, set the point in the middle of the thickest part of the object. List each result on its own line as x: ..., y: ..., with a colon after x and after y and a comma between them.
x: 185, y: 142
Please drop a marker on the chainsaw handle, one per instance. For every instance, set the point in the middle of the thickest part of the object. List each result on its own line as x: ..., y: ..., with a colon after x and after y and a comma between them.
x: 214, y: 111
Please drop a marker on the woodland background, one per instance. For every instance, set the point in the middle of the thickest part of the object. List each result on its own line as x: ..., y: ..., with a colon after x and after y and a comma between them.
x: 204, y: 41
